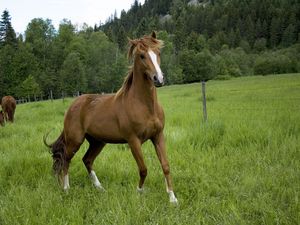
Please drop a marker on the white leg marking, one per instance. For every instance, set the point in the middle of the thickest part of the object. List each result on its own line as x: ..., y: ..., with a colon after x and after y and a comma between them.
x: 153, y: 57
x: 173, y: 199
x: 140, y: 190
x: 95, y: 180
x: 172, y: 196
x: 66, y: 182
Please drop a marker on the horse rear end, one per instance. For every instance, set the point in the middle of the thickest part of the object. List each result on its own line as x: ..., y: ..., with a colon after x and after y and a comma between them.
x: 9, y: 107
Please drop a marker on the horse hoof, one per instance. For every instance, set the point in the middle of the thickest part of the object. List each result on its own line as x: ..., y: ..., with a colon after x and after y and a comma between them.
x: 140, y: 190
x: 66, y: 189
x: 173, y: 198
x: 174, y: 201
x: 100, y: 188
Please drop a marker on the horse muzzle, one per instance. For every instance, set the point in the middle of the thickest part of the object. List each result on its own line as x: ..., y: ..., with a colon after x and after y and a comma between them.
x: 157, y: 82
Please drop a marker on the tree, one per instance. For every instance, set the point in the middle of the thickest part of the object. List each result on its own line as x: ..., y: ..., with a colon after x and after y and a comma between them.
x: 260, y: 45
x: 29, y: 87
x: 142, y: 28
x: 250, y: 31
x: 196, y: 42
x: 274, y: 32
x: 289, y: 36
x: 196, y: 66
x: 7, y: 33
x: 72, y: 75
x: 24, y: 63
x: 40, y: 35
x: 7, y: 54
x: 121, y: 38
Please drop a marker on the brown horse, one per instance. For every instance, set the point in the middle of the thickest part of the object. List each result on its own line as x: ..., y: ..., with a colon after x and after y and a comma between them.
x: 8, y: 107
x: 132, y: 115
x: 2, y: 118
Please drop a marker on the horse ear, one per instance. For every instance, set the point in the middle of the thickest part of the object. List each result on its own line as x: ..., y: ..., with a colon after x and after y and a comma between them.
x: 153, y: 34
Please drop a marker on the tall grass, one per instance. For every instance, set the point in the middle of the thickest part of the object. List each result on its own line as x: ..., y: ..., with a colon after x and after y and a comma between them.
x: 240, y: 167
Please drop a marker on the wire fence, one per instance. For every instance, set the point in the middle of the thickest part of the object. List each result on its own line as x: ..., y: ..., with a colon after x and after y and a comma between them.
x: 46, y: 97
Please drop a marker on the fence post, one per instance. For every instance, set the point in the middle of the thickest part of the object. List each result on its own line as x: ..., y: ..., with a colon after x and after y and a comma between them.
x: 51, y: 95
x: 204, y: 101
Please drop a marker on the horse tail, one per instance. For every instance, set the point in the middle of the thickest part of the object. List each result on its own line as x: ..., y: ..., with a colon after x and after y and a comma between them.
x: 58, y: 151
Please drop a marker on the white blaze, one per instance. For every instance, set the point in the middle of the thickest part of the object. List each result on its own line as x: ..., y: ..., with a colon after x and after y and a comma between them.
x: 153, y: 57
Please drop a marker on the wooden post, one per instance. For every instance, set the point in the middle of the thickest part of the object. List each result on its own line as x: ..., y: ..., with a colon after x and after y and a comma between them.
x: 51, y: 95
x: 204, y: 101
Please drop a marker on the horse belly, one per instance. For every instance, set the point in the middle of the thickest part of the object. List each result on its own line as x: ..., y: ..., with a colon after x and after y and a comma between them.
x: 106, y: 131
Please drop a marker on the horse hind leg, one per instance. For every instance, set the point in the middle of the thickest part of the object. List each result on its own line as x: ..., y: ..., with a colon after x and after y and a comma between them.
x: 89, y: 158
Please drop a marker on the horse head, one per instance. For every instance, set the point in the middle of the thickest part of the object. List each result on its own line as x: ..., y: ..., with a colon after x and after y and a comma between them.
x: 145, y: 53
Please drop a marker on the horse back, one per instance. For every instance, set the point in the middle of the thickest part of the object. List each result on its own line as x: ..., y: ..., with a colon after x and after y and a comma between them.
x: 93, y: 115
x: 8, y: 102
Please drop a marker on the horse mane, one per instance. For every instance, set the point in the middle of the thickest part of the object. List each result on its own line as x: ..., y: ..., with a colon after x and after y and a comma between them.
x: 141, y: 44
x: 127, y: 82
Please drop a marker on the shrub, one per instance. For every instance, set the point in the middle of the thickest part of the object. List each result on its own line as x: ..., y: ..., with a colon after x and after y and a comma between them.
x: 273, y: 63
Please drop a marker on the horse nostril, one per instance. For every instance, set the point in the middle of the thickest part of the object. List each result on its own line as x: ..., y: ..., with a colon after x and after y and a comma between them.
x: 155, y: 78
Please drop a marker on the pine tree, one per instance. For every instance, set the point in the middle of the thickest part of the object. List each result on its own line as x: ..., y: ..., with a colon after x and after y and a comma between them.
x: 121, y: 38
x: 7, y: 33
x: 258, y: 29
x: 274, y: 32
x: 250, y: 32
x: 289, y: 36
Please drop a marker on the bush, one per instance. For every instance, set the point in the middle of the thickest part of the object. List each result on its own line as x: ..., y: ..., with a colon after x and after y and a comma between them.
x: 273, y: 63
x: 196, y: 66
x: 222, y: 77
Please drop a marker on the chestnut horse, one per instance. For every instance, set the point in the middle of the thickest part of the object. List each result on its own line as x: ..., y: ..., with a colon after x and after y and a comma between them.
x: 2, y: 118
x: 8, y: 107
x: 132, y: 115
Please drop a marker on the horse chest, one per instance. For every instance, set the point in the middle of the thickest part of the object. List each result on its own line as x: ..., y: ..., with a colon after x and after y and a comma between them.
x: 150, y: 128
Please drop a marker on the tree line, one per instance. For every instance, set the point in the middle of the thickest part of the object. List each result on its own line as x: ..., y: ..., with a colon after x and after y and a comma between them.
x: 210, y: 39
x: 64, y: 61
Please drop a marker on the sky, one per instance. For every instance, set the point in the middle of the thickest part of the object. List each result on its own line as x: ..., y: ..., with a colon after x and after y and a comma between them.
x: 78, y: 11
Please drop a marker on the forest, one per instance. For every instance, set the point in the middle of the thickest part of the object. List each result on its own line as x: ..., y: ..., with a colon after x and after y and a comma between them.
x: 203, y: 40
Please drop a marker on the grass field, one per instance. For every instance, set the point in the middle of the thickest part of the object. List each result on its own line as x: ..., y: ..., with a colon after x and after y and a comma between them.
x: 241, y: 167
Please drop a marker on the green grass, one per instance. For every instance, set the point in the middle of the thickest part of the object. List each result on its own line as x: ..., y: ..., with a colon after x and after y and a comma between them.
x: 241, y: 167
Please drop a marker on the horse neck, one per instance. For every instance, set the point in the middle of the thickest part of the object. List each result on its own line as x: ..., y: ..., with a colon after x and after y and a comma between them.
x: 144, y: 91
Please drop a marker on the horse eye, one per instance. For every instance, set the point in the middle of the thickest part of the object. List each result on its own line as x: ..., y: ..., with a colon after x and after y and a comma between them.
x: 142, y: 56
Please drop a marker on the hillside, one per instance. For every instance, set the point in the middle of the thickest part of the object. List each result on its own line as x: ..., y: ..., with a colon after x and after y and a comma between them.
x: 221, y: 21
x: 216, y: 39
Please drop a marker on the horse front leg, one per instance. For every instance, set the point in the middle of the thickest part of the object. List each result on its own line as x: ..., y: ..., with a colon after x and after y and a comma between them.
x: 135, y: 146
x: 160, y: 148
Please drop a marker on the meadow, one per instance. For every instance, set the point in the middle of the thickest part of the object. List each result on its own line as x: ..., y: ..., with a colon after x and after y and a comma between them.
x: 242, y: 166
